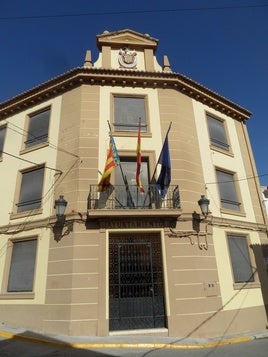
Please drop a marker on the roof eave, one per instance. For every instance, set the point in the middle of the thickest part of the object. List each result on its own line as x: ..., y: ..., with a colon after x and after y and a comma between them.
x: 124, y: 78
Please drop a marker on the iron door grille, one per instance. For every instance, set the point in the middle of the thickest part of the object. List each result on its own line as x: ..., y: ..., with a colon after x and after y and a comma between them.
x: 136, y: 290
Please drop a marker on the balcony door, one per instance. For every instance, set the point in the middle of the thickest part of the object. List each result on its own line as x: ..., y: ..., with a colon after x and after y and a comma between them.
x: 128, y: 194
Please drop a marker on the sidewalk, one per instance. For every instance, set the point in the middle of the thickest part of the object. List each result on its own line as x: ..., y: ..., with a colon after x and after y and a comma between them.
x: 124, y: 341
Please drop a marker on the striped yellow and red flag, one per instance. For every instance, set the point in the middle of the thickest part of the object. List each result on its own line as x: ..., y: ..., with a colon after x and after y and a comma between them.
x: 108, y: 169
x: 138, y: 180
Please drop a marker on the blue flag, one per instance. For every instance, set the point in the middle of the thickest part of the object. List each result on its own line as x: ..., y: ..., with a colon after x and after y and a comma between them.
x: 164, y: 178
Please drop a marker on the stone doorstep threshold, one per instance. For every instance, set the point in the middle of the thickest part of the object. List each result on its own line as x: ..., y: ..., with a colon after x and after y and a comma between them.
x: 155, y: 332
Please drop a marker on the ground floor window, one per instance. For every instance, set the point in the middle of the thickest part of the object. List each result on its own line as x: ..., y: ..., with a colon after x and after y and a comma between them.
x: 22, y: 266
x: 240, y: 259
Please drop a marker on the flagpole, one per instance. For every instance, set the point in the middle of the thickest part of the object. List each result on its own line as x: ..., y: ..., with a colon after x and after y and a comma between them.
x: 139, y: 159
x: 153, y: 176
x: 123, y: 176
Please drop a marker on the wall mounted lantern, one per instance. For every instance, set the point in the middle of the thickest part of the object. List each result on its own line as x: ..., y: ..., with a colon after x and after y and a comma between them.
x: 62, y: 227
x: 60, y: 206
x: 203, y: 204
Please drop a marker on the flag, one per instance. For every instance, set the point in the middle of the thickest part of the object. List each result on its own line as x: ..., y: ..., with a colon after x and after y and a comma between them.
x: 115, y: 152
x: 111, y: 162
x: 164, y: 177
x: 138, y: 180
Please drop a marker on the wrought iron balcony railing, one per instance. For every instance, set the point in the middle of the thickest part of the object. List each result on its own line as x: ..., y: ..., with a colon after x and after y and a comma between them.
x: 129, y: 197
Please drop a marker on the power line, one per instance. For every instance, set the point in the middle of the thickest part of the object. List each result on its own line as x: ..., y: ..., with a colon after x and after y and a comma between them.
x: 29, y: 218
x: 67, y: 152
x: 53, y: 146
x: 30, y: 162
x: 237, y: 180
x: 231, y: 7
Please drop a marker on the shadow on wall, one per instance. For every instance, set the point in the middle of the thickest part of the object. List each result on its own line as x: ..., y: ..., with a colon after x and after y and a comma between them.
x: 261, y: 257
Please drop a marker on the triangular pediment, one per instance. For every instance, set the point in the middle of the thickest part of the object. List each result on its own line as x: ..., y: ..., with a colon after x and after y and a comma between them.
x: 126, y: 37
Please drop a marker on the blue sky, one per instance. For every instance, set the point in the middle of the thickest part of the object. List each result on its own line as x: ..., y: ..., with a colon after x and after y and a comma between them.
x: 221, y: 44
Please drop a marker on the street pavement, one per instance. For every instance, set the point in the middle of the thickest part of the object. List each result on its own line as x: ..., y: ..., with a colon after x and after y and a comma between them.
x: 15, y: 341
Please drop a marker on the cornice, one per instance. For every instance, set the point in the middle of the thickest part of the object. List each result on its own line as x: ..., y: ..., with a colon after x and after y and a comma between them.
x: 123, y: 78
x: 125, y: 38
x: 232, y: 224
x: 15, y: 227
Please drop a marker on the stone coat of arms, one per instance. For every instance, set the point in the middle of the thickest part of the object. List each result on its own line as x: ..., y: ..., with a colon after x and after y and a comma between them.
x: 127, y: 58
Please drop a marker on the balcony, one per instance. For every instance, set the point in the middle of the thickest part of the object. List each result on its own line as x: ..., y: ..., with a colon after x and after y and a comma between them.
x: 129, y: 201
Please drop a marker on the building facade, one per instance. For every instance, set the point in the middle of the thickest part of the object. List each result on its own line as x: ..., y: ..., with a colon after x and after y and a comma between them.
x: 264, y: 190
x: 121, y: 260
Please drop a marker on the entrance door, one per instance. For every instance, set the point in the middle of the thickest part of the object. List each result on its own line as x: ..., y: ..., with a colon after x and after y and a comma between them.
x: 136, y: 288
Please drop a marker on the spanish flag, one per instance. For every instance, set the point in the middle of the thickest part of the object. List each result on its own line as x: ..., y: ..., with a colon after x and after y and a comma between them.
x: 109, y: 167
x: 138, y: 180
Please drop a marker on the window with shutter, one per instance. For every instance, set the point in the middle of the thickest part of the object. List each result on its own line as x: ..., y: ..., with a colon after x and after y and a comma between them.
x: 240, y: 259
x: 22, y: 266
x: 38, y: 128
x: 30, y: 197
x: 217, y: 133
x: 128, y: 111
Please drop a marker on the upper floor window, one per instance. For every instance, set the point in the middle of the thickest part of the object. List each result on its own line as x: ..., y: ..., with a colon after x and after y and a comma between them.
x: 228, y: 191
x: 217, y: 133
x: 127, y: 113
x: 31, y: 189
x: 240, y: 259
x: 38, y: 128
x: 22, y: 266
x: 2, y: 139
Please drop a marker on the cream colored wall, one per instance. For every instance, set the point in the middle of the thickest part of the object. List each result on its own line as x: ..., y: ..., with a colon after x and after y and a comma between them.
x: 43, y: 236
x: 74, y: 297
x: 148, y: 143
x: 98, y: 62
x: 10, y: 166
x: 157, y: 66
x: 212, y: 159
x: 177, y: 108
x: 231, y: 298
x: 9, y: 169
x: 115, y: 63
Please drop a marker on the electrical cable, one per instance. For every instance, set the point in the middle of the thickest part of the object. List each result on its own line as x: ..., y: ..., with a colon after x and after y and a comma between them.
x: 51, y: 144
x: 29, y: 218
x: 130, y: 12
x: 237, y: 180
x: 30, y: 162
